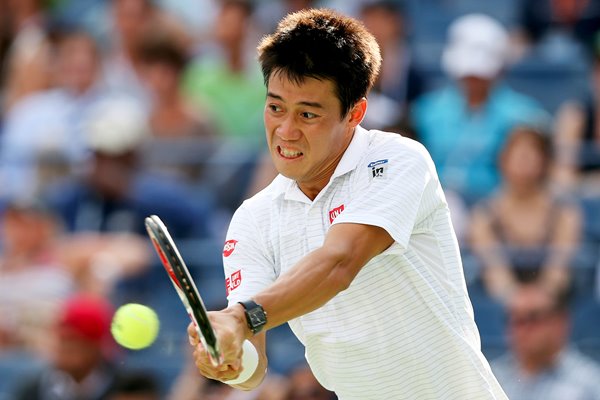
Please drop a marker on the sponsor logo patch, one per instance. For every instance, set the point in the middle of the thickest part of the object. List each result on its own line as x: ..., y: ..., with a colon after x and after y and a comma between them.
x: 335, y: 212
x: 229, y: 247
x: 378, y: 168
x: 233, y: 281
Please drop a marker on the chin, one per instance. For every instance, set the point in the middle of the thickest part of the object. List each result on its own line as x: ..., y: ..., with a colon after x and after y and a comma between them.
x: 288, y: 174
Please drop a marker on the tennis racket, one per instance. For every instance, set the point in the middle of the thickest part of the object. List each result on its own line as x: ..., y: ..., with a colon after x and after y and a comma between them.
x: 188, y: 293
x: 183, y: 284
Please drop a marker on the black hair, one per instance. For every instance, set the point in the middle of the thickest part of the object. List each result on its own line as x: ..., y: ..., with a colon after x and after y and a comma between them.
x: 159, y: 48
x: 322, y: 44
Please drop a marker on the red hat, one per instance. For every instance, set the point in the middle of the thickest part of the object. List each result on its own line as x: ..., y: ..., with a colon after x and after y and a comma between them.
x: 87, y: 316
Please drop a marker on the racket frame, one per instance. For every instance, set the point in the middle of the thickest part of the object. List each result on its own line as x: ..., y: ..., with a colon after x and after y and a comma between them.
x: 184, y: 285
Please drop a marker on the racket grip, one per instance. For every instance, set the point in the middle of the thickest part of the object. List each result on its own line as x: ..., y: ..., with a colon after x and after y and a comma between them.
x: 249, y: 364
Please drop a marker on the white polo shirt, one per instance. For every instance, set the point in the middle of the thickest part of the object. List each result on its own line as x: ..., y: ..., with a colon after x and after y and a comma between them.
x: 404, y: 329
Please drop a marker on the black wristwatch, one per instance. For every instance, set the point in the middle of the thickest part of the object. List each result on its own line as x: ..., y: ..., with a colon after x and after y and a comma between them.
x: 256, y: 317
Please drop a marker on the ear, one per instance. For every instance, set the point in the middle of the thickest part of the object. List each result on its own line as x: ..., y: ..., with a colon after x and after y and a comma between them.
x: 358, y: 112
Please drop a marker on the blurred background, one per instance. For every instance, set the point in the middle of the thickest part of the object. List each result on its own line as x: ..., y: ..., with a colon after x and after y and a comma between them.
x: 112, y: 110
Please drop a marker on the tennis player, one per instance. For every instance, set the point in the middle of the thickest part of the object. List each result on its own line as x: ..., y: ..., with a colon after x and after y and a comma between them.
x: 351, y: 243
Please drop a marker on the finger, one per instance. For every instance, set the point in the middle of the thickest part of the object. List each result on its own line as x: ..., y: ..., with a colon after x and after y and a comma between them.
x: 193, y: 340
x: 204, y: 365
x: 193, y: 337
x: 233, y: 357
x: 228, y: 374
x: 192, y: 332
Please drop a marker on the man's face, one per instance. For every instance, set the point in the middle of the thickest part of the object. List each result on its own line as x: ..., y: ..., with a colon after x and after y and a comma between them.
x: 75, y: 354
x: 537, y: 329
x: 77, y: 63
x: 306, y: 132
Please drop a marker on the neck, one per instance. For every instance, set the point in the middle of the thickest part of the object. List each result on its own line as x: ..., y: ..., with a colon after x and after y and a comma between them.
x: 476, y: 100
x: 236, y: 61
x: 169, y: 98
x: 313, y: 188
x: 535, y: 365
x: 525, y: 193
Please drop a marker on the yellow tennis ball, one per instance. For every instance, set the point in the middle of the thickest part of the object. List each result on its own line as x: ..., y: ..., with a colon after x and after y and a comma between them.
x: 135, y: 326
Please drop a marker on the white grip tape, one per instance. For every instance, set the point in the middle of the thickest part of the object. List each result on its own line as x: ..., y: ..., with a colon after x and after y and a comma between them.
x: 249, y: 364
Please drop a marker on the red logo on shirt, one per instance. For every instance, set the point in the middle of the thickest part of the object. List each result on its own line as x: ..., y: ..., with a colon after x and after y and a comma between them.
x: 233, y: 281
x: 335, y: 212
x: 229, y: 247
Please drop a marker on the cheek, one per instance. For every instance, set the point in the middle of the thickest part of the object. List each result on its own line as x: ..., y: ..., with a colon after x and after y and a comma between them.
x: 269, y: 127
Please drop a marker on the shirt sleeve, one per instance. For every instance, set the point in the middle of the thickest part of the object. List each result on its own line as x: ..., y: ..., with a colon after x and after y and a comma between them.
x: 402, y: 189
x: 247, y: 264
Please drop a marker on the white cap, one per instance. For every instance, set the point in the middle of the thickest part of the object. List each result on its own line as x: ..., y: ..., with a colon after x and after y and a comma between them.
x: 478, y: 45
x: 116, y: 126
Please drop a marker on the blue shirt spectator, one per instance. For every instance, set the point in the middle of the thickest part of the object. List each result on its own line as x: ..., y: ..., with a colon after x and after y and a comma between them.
x: 574, y: 377
x: 465, y: 124
x: 540, y: 363
x: 465, y: 143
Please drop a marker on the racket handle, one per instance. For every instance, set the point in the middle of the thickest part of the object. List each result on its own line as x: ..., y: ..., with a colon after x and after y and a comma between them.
x: 249, y: 364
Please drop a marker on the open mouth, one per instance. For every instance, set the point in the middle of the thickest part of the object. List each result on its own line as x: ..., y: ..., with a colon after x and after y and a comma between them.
x: 289, y: 153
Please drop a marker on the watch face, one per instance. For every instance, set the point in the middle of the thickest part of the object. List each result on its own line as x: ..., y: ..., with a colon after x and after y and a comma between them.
x: 257, y: 317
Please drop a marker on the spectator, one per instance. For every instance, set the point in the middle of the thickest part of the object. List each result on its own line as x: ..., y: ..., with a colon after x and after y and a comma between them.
x: 48, y: 125
x: 81, y: 365
x: 464, y: 125
x: 560, y: 29
x: 99, y: 261
x: 225, y: 76
x: 541, y: 365
x: 114, y: 194
x: 523, y: 232
x: 41, y: 265
x: 399, y: 81
x: 270, y: 13
x: 25, y: 66
x: 182, y: 135
x: 131, y: 21
x: 304, y: 386
x: 578, y: 135
x: 33, y: 280
x: 190, y: 385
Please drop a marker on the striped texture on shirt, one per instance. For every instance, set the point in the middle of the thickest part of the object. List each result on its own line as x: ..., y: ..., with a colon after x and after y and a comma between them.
x: 404, y: 328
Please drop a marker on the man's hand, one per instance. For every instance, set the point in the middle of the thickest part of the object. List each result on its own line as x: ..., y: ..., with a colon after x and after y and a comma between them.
x: 231, y: 331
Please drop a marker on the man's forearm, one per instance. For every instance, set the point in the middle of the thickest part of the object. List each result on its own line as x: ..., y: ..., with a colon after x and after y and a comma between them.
x: 323, y: 273
x: 315, y: 280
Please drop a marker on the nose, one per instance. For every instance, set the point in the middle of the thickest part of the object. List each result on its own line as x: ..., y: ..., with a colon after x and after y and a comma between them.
x: 288, y: 129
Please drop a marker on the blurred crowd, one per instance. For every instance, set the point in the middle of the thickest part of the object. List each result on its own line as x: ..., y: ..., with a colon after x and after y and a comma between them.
x: 113, y: 110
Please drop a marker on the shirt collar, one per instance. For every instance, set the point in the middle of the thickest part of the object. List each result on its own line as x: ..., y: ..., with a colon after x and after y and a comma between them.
x: 353, y: 153
x: 349, y: 161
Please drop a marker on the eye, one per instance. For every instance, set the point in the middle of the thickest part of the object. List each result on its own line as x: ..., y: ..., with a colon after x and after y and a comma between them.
x: 274, y: 108
x: 308, y: 115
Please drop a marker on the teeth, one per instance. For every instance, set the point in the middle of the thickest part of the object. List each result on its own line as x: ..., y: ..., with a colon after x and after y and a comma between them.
x: 290, y: 153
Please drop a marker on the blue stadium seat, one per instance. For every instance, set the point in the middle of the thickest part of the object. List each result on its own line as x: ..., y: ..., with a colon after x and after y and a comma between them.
x: 490, y: 318
x: 549, y: 83
x: 15, y: 365
x: 585, y: 326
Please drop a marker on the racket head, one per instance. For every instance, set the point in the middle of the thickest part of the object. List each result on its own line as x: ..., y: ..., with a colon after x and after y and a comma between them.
x: 184, y: 285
